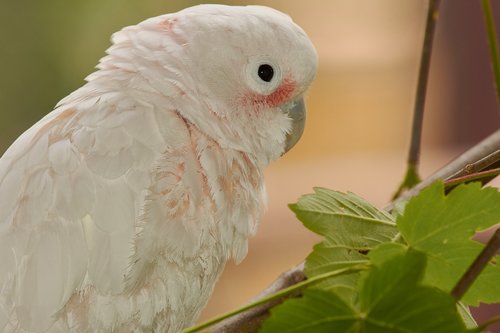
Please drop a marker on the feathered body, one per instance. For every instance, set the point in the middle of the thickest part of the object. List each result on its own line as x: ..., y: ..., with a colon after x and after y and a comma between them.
x: 120, y: 208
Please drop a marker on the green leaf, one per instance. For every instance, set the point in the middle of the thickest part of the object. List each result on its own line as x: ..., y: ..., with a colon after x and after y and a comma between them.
x: 390, y: 277
x: 326, y: 258
x: 386, y: 251
x: 351, y: 227
x: 344, y: 217
x: 316, y: 311
x: 391, y: 299
x: 442, y: 227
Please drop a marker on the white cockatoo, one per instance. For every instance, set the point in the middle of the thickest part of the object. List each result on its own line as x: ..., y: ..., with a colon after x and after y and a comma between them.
x: 120, y: 208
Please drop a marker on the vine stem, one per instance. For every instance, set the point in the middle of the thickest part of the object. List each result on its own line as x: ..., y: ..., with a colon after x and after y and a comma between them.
x: 477, y: 176
x: 477, y: 266
x: 412, y: 176
x: 492, y: 42
x: 423, y: 78
x: 280, y: 294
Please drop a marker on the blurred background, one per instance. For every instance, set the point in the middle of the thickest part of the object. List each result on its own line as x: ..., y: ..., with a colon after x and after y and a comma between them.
x: 359, y: 107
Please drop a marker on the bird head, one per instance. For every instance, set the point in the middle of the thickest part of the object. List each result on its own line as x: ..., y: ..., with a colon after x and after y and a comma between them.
x: 236, y: 73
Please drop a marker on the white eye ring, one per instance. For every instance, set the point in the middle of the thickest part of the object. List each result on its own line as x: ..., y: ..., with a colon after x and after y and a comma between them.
x: 256, y: 81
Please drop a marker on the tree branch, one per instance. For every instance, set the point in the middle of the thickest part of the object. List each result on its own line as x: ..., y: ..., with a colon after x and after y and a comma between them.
x: 250, y: 320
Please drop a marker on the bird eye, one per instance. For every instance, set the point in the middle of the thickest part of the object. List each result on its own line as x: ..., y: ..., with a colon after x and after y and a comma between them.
x: 262, y: 74
x: 266, y: 72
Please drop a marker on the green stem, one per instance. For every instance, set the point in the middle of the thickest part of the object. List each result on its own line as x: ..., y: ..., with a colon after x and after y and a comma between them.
x: 477, y: 266
x: 279, y: 294
x: 423, y: 78
x: 412, y: 177
x: 478, y: 176
x: 492, y: 41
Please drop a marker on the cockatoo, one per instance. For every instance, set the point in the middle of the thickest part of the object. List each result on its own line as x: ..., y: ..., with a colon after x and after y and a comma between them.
x: 120, y: 208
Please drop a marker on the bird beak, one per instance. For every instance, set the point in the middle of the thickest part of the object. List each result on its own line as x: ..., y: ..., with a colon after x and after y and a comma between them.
x: 296, y: 110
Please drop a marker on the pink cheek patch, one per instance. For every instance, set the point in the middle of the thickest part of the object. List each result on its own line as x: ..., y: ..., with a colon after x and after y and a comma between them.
x: 278, y: 97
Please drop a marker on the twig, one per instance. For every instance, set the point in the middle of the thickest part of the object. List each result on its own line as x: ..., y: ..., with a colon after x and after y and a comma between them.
x: 425, y: 61
x: 492, y: 41
x: 488, y: 162
x: 251, y: 320
x: 277, y: 296
x: 477, y: 266
x: 487, y: 147
x: 412, y: 177
x: 482, y: 176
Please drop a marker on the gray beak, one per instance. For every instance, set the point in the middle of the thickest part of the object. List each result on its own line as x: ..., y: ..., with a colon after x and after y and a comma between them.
x: 296, y: 110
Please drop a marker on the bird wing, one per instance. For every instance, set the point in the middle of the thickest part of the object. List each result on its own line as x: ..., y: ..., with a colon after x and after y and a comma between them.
x: 71, y: 191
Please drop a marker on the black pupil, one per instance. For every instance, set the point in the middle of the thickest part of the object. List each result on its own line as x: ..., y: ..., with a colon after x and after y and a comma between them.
x: 266, y: 72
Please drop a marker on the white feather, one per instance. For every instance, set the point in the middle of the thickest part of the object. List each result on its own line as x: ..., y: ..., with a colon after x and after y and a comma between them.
x: 120, y: 208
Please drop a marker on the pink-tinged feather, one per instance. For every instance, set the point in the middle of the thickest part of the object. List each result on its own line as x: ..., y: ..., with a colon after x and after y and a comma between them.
x: 120, y: 208
x: 281, y: 95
